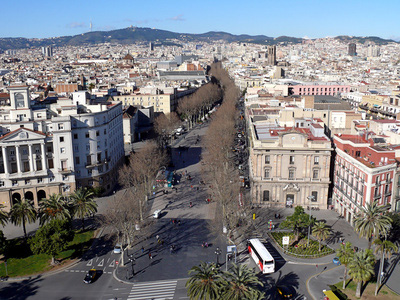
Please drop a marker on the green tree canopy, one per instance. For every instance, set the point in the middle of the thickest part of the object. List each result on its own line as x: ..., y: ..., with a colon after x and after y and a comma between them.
x: 373, y: 221
x: 298, y: 221
x: 3, y: 216
x: 345, y: 254
x: 361, y: 268
x: 21, y: 213
x: 384, y: 247
x: 321, y: 231
x: 3, y: 243
x: 241, y: 283
x: 55, y: 207
x: 52, y: 238
x: 203, y: 282
x: 83, y: 204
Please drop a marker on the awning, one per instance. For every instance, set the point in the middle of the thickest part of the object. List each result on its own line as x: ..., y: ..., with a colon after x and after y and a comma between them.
x: 377, y: 106
x: 331, y: 295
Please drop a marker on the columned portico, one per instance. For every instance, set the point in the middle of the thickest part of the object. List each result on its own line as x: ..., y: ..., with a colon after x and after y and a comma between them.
x: 44, y: 166
x: 5, y: 159
x: 31, y: 164
x: 18, y: 158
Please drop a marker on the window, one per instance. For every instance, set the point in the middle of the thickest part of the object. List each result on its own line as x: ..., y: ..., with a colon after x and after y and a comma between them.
x: 97, y: 133
x: 89, y: 172
x: 75, y: 136
x: 25, y: 151
x: 61, y: 139
x: 49, y: 149
x: 27, y: 181
x: 267, y: 159
x: 87, y: 147
x: 60, y: 126
x: 105, y: 131
x: 314, y: 195
x: 316, y: 160
x: 14, y: 182
x: 291, y: 160
x: 50, y: 163
x: 65, y: 178
x: 77, y: 160
x: 76, y: 148
x: 291, y: 173
x: 62, y: 150
x: 387, y: 178
x: 52, y: 179
x: 87, y: 135
x: 100, y: 169
x: 315, y: 174
x: 39, y: 180
x: 1, y: 182
x: 387, y: 189
x: 90, y: 183
x: 377, y: 180
x: 267, y: 173
x: 265, y: 195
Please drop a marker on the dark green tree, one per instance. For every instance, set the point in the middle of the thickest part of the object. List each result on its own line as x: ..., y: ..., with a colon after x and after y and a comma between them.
x: 241, y: 283
x: 203, y: 283
x: 52, y: 238
x: 54, y: 207
x: 3, y: 243
x: 83, y: 204
x: 298, y: 221
x: 21, y: 213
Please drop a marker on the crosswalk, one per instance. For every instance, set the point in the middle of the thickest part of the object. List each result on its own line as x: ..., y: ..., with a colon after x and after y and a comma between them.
x: 156, y: 290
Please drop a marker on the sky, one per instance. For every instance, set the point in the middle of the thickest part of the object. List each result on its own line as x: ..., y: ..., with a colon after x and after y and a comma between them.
x: 297, y: 18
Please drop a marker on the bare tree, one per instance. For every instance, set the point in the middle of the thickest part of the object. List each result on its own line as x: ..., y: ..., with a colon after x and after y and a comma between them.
x: 164, y: 125
x: 140, y: 173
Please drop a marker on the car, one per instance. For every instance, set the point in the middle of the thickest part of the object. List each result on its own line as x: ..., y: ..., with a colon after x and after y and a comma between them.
x: 90, y: 276
x: 157, y: 214
x: 336, y: 261
x: 285, y: 292
x: 117, y: 249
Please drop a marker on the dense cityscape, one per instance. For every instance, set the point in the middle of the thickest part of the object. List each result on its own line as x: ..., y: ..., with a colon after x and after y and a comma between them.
x: 183, y: 169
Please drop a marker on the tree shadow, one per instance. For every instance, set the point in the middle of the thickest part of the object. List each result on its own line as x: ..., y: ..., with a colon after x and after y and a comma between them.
x: 290, y: 280
x: 335, y: 237
x: 20, y: 290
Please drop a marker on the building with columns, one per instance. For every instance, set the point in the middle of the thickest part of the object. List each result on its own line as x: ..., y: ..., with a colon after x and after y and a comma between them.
x: 56, y: 148
x: 288, y: 165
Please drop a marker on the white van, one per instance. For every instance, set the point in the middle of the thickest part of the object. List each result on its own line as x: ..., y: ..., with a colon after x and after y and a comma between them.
x: 157, y: 214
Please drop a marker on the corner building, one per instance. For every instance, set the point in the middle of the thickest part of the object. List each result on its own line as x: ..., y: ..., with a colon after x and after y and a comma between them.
x: 56, y: 147
x: 289, y: 166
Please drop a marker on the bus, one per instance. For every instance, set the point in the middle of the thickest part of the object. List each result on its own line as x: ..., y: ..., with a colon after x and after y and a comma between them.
x: 261, y: 256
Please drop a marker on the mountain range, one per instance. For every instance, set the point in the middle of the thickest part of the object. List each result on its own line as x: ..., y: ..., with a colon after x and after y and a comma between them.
x: 141, y: 34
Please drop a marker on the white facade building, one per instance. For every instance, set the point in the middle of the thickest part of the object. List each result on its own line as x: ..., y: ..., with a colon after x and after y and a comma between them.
x: 56, y: 148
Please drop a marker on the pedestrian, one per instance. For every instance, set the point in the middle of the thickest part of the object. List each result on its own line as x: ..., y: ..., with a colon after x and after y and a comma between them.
x: 142, y: 249
x: 190, y: 204
x: 150, y: 256
x: 179, y: 222
x: 157, y: 237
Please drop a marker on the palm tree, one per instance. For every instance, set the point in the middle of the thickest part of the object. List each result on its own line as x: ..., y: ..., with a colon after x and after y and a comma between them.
x: 55, y: 207
x: 83, y: 204
x: 321, y: 232
x: 384, y: 247
x: 372, y: 221
x: 361, y: 268
x: 21, y: 213
x: 203, y: 282
x: 345, y: 254
x: 240, y: 283
x: 3, y: 216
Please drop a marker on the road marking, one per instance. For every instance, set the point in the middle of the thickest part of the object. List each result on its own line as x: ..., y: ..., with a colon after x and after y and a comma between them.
x: 90, y: 262
x: 112, y: 264
x: 101, y: 263
x: 155, y: 290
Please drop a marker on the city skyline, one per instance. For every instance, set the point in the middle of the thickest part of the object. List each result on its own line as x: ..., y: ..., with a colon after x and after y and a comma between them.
x: 308, y: 18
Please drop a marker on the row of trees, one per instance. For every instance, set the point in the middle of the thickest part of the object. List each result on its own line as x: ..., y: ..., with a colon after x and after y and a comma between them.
x: 209, y: 282
x: 195, y: 106
x: 218, y: 160
x: 137, y: 177
x: 57, y: 207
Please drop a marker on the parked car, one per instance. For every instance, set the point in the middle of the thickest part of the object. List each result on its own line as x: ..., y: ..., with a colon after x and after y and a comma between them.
x: 157, y: 214
x: 336, y: 261
x: 90, y: 276
x: 285, y: 292
x: 117, y: 249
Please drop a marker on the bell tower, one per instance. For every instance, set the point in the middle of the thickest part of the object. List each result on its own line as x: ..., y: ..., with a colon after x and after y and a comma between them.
x: 19, y: 97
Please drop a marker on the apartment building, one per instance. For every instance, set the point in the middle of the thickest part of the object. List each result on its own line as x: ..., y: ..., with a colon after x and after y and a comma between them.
x: 364, y: 171
x: 289, y: 166
x: 56, y: 148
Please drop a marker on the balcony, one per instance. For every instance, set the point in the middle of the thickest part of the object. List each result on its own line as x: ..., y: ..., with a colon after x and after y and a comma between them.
x: 65, y: 170
x: 377, y: 196
x: 97, y: 163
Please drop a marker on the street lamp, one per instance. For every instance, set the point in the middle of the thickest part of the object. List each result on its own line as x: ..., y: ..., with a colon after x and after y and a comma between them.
x: 218, y: 253
x: 309, y: 219
x: 132, y: 260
